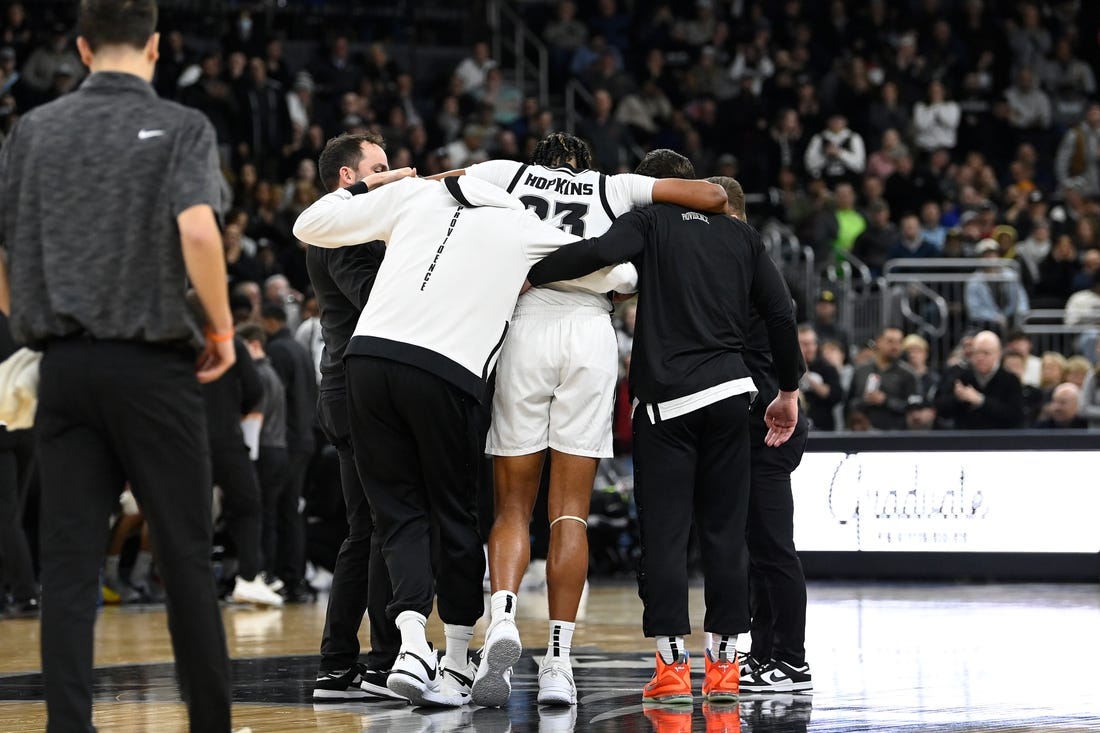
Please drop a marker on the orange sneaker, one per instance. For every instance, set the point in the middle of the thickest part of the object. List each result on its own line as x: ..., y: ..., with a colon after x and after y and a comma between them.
x: 671, y: 683
x: 722, y: 717
x: 723, y: 680
x: 668, y: 720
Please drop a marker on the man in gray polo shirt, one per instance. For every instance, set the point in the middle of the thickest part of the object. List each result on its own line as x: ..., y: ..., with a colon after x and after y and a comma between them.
x: 107, y: 201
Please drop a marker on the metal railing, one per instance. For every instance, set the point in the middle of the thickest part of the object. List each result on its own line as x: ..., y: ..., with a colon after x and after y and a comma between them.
x: 507, y: 24
x: 794, y: 260
x: 1049, y: 332
x: 928, y: 296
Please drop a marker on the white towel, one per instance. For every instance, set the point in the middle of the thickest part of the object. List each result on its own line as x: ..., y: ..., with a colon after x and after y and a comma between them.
x: 19, y: 389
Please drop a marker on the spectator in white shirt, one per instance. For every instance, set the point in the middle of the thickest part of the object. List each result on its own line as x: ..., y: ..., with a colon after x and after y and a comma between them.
x: 936, y: 121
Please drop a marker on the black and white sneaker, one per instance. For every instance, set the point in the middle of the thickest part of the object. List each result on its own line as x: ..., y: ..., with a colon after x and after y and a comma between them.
x: 373, y: 682
x: 777, y: 676
x: 340, y: 685
x: 455, y: 683
x: 417, y: 679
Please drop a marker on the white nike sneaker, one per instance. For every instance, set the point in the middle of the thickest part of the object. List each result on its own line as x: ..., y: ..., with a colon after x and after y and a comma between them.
x: 416, y: 678
x: 255, y: 591
x: 493, y: 681
x: 556, y: 686
x: 454, y: 684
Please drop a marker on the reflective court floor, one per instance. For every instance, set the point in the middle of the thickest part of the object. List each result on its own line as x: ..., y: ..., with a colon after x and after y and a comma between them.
x: 885, y: 657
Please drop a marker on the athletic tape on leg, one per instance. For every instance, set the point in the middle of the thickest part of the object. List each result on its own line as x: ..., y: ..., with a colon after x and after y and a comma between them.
x: 569, y: 516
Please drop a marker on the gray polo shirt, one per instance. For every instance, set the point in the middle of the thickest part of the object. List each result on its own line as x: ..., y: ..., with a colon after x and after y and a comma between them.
x: 90, y: 187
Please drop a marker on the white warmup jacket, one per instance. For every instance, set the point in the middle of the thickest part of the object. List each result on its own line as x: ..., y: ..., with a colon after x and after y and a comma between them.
x: 458, y: 252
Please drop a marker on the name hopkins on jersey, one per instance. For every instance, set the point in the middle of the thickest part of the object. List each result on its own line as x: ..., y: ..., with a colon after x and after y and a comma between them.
x: 560, y: 185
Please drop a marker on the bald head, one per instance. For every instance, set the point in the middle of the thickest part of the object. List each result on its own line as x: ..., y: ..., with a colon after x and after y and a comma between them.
x: 986, y: 352
x: 1064, y: 401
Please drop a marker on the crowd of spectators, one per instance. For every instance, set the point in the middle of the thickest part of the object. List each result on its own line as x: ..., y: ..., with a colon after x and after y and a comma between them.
x: 870, y: 129
x: 874, y: 129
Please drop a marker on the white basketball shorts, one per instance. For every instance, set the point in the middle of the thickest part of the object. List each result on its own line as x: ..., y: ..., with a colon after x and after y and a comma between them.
x: 555, y: 384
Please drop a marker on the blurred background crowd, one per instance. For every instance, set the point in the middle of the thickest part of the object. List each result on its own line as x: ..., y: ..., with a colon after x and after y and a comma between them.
x: 925, y: 172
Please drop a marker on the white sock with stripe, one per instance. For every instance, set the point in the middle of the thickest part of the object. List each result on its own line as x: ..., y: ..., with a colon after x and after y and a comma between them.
x: 670, y: 648
x: 502, y: 605
x: 722, y: 647
x: 561, y: 641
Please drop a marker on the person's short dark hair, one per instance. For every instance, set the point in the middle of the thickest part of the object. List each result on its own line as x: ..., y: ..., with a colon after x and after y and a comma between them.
x: 249, y: 332
x: 117, y: 22
x: 735, y: 195
x: 343, y: 150
x: 665, y: 163
x: 273, y: 312
x: 918, y: 402
x: 559, y: 149
x: 1016, y: 336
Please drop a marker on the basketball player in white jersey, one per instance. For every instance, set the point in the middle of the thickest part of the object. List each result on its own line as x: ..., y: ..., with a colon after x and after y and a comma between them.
x: 555, y: 389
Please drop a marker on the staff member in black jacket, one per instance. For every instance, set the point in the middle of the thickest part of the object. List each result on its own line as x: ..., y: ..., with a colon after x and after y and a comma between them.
x: 98, y: 285
x: 698, y: 276
x: 777, y: 588
x: 295, y: 368
x: 227, y: 400
x: 342, y: 280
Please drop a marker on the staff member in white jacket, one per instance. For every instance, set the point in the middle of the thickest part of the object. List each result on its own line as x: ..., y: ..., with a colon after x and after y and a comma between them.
x: 457, y: 255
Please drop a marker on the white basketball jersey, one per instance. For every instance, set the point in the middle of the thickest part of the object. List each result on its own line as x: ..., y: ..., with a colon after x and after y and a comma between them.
x: 581, y: 203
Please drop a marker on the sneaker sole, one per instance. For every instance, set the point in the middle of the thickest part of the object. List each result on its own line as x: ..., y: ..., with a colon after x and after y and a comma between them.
x: 407, y: 688
x: 785, y: 687
x: 493, y: 690
x: 441, y: 699
x: 374, y: 692
x: 339, y: 695
x: 556, y: 697
x: 671, y: 700
x: 721, y: 697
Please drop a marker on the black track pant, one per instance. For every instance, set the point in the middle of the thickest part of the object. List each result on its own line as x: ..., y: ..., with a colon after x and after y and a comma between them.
x: 693, y: 467
x: 16, y: 570
x: 111, y: 412
x: 416, y: 447
x: 360, y: 581
x: 778, y: 586
x: 234, y: 473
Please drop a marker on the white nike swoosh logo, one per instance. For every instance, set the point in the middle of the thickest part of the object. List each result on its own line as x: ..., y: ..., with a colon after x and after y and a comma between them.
x: 146, y: 134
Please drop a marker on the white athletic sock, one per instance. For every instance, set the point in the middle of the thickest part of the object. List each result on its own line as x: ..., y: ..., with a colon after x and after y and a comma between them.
x: 502, y: 605
x: 458, y: 644
x: 139, y: 574
x: 110, y: 569
x: 561, y: 641
x: 670, y: 648
x: 722, y: 647
x: 413, y: 638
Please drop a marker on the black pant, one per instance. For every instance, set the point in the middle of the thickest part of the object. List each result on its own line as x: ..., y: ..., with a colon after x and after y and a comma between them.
x: 272, y: 468
x: 16, y: 570
x: 416, y: 448
x: 693, y: 466
x: 776, y: 581
x: 234, y: 473
x: 111, y: 412
x: 360, y: 581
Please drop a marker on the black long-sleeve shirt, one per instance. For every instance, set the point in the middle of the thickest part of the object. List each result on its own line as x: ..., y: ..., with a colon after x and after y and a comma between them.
x: 342, y: 280
x: 698, y: 276
x: 230, y: 397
